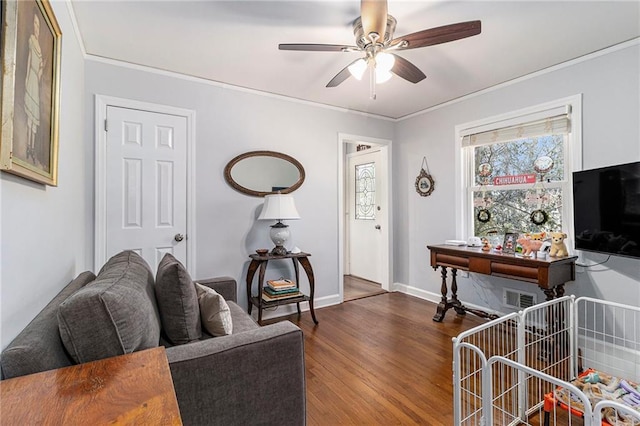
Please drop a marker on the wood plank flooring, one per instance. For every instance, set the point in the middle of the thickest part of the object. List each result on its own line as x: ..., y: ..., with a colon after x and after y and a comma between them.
x: 357, y: 288
x: 380, y: 360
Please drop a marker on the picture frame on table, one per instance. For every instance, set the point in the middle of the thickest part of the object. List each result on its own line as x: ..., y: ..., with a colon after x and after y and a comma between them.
x: 30, y: 96
x: 510, y: 242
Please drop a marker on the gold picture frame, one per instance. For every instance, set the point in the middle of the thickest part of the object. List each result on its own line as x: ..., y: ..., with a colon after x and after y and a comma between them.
x: 30, y: 96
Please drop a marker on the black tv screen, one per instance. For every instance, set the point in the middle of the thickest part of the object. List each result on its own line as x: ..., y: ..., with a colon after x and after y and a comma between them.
x: 606, y: 210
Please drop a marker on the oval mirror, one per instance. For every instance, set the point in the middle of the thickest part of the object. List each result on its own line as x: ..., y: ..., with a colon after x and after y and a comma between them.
x: 259, y: 173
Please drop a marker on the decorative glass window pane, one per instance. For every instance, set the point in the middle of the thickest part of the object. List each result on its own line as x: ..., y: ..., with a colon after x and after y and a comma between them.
x: 512, y: 162
x: 510, y: 211
x: 365, y: 199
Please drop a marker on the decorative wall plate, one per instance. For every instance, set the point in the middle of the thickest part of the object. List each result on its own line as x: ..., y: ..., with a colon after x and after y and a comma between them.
x: 424, y: 183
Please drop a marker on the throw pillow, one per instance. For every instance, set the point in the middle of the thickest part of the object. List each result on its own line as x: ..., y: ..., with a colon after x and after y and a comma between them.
x: 214, y: 311
x: 114, y: 315
x: 177, y: 302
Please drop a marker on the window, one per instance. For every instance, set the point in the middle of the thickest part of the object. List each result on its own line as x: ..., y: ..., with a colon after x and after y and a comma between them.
x: 365, y: 191
x: 516, y: 171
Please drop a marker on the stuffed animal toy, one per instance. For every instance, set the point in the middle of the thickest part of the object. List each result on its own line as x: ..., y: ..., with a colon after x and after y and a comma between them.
x: 558, y: 247
x: 531, y: 243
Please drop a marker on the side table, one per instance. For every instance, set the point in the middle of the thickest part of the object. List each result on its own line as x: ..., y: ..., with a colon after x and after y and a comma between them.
x: 129, y: 389
x: 260, y: 262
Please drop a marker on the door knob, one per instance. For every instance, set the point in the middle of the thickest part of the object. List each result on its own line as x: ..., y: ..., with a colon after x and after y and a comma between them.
x: 377, y: 226
x: 178, y: 237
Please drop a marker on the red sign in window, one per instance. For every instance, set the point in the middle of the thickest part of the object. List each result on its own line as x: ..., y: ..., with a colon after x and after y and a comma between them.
x: 514, y: 179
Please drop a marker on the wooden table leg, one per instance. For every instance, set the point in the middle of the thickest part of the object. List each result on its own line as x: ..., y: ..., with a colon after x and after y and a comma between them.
x: 455, y: 303
x: 549, y: 293
x: 306, y: 265
x: 263, y: 267
x: 297, y: 274
x: 442, y: 306
x: 253, y: 266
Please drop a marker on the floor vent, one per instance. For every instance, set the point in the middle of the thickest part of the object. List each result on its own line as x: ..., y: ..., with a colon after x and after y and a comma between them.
x: 518, y: 299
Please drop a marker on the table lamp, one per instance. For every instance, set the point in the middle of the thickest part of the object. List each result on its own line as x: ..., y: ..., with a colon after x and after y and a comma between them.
x: 279, y: 207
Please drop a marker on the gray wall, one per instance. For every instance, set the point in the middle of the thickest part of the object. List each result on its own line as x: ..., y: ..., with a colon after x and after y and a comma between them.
x: 47, y: 233
x: 230, y: 122
x: 46, y: 230
x: 610, y: 85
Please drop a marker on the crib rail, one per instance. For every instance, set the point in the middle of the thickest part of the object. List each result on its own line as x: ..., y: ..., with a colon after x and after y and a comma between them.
x: 518, y: 369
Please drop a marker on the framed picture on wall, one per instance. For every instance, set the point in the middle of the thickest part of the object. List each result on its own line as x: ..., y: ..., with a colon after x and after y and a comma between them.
x: 31, y: 55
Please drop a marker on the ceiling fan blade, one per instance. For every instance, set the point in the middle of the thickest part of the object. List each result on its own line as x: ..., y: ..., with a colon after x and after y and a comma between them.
x: 408, y: 71
x: 439, y: 35
x: 341, y: 76
x: 374, y: 17
x: 317, y: 47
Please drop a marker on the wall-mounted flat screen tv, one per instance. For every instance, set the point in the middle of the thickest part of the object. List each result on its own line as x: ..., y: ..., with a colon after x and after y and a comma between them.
x: 606, y: 209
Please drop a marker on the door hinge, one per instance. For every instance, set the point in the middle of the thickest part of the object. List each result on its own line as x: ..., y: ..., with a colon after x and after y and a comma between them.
x: 106, y: 127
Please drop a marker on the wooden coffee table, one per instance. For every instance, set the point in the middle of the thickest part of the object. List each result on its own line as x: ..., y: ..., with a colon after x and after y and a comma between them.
x: 129, y: 389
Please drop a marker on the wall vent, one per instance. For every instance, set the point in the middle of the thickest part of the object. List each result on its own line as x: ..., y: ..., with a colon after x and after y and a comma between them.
x: 518, y: 299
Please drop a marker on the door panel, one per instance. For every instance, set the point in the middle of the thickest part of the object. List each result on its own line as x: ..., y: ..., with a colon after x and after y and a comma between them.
x: 146, y: 185
x: 366, y: 215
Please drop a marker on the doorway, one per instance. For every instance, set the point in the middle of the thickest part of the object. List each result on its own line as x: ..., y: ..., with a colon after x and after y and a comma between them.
x: 365, y: 213
x: 144, y: 175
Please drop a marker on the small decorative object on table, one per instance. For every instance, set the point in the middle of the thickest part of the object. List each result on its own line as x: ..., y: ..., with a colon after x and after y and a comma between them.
x: 531, y: 242
x: 509, y: 245
x: 558, y: 247
x: 262, y: 252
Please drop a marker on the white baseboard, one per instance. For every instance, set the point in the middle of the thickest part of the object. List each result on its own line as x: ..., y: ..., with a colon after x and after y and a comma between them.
x: 436, y: 297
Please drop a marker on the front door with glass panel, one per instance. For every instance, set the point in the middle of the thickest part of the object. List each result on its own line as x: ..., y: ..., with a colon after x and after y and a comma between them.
x: 366, y: 215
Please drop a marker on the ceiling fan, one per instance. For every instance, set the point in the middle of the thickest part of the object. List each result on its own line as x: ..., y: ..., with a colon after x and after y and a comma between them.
x: 374, y: 37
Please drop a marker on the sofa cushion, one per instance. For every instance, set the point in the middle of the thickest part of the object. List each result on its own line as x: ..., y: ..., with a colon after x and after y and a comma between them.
x: 177, y: 302
x: 214, y: 312
x: 114, y: 315
x: 38, y: 347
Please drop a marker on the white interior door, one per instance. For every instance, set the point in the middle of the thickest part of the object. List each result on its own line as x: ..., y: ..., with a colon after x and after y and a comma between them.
x: 146, y: 184
x: 367, y: 214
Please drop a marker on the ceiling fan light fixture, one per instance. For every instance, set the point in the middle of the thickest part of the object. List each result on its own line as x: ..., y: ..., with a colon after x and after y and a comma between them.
x: 358, y: 68
x: 382, y: 75
x: 385, y: 61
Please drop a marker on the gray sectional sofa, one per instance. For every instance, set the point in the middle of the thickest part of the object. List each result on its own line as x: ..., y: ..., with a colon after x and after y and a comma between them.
x: 253, y: 376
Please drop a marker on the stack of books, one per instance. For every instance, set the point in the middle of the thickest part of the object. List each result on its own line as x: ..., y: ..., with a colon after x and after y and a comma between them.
x: 280, y: 289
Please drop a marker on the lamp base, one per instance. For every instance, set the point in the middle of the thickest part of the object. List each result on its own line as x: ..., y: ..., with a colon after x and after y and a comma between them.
x: 279, y: 235
x: 279, y: 251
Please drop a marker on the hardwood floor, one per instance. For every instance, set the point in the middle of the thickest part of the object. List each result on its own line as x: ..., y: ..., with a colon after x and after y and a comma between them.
x: 357, y: 288
x: 380, y: 360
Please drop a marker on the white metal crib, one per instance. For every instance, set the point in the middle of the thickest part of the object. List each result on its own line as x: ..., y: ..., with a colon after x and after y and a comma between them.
x: 566, y: 361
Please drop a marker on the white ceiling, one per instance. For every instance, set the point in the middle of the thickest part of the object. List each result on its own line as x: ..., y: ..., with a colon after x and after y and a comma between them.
x: 236, y: 42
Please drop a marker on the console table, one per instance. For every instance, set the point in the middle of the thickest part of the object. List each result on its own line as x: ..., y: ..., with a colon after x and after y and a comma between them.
x: 259, y: 261
x: 549, y: 273
x: 130, y: 389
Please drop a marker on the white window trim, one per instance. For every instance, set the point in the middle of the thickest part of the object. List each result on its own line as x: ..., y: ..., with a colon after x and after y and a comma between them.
x: 573, y: 158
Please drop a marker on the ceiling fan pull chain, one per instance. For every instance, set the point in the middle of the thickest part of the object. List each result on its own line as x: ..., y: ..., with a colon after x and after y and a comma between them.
x: 372, y: 80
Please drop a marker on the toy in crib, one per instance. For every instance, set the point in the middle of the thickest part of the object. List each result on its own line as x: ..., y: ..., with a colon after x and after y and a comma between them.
x: 598, y: 386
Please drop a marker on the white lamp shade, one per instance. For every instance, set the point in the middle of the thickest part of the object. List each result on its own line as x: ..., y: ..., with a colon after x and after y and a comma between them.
x: 279, y: 207
x: 358, y: 68
x: 385, y: 61
x: 382, y: 76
